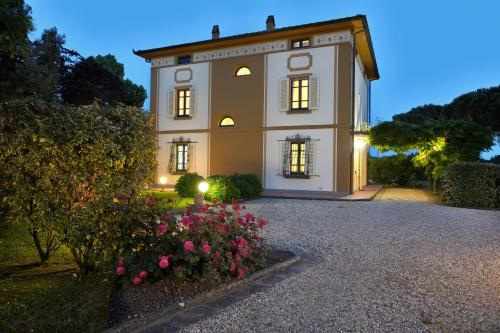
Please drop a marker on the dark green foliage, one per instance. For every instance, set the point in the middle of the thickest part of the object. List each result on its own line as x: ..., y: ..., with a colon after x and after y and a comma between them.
x: 398, y: 169
x: 88, y: 81
x: 222, y: 188
x: 187, y: 184
x: 134, y: 95
x: 248, y: 184
x: 481, y: 106
x: 468, y: 184
x: 495, y: 159
x: 111, y: 64
x: 15, y: 25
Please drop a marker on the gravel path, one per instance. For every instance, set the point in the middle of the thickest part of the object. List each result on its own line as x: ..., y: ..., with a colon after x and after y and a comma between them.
x: 387, y: 265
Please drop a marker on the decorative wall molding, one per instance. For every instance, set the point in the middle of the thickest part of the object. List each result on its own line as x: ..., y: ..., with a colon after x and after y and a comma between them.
x: 299, y: 61
x: 332, y: 38
x: 164, y: 61
x: 183, y: 75
x: 279, y: 45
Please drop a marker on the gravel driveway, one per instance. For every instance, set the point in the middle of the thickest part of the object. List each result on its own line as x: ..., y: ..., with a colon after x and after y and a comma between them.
x: 387, y: 265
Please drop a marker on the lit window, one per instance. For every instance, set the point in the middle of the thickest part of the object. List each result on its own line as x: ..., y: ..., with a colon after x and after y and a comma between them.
x: 181, y: 157
x: 226, y: 122
x: 186, y: 59
x: 300, y: 93
x: 243, y: 71
x: 297, y: 158
x: 183, y: 102
x: 300, y: 43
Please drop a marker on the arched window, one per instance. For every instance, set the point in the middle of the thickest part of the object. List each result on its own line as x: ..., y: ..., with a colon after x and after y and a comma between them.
x: 243, y: 71
x: 226, y: 122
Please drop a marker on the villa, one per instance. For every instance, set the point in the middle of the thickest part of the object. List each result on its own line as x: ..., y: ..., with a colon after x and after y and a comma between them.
x: 291, y: 105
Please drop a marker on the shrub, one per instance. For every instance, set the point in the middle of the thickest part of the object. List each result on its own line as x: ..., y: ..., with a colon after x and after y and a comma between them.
x: 222, y: 188
x: 397, y: 169
x: 472, y: 184
x: 66, y: 166
x: 209, y: 245
x: 187, y: 184
x: 248, y: 184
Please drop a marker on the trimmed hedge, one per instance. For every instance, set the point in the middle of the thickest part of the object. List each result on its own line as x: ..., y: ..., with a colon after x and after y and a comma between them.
x: 472, y: 184
x: 248, y: 184
x: 222, y: 188
x: 398, y: 169
x: 187, y: 184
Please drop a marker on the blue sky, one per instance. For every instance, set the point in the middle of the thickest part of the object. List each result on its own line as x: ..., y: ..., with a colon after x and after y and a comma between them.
x: 427, y: 51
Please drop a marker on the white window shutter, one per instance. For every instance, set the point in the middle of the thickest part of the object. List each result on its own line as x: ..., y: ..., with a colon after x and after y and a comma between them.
x: 314, y: 92
x: 192, y: 102
x: 191, y: 157
x: 284, y: 95
x: 171, y: 103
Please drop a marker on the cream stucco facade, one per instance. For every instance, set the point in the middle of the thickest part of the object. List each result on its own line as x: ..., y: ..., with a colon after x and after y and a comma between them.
x: 318, y: 146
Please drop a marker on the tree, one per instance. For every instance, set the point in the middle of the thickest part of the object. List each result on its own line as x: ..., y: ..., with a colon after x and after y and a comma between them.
x: 438, y: 142
x: 481, y: 106
x: 15, y: 25
x: 134, y: 95
x: 88, y: 81
x: 65, y: 166
x: 49, y: 61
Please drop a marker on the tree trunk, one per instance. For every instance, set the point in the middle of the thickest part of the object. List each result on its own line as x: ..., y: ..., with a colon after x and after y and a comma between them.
x: 36, y: 239
x: 434, y: 185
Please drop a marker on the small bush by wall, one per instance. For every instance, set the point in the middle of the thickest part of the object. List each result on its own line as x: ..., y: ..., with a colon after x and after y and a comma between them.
x: 248, y: 184
x: 187, y: 184
x: 396, y: 169
x: 222, y: 188
x: 472, y: 184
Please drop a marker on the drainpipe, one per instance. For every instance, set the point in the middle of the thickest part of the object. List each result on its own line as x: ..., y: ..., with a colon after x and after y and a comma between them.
x: 353, y: 86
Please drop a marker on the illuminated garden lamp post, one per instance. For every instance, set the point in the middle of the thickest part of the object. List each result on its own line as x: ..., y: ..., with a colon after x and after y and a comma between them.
x: 198, y: 198
x: 163, y: 182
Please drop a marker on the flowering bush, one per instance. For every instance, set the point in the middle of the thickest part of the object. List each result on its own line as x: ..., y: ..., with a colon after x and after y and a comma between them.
x: 212, y: 244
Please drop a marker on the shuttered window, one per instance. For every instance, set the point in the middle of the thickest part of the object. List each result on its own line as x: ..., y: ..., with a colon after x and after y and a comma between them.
x: 183, y: 102
x: 299, y: 94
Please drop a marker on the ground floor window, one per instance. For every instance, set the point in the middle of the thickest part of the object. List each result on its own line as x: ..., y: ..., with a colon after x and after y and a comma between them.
x: 298, y: 155
x: 180, y: 155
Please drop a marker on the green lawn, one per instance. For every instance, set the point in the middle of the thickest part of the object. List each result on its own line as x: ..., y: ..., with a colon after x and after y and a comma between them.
x: 176, y: 201
x: 49, y: 298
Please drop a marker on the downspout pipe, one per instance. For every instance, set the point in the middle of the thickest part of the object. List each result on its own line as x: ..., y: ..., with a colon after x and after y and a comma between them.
x: 353, y: 87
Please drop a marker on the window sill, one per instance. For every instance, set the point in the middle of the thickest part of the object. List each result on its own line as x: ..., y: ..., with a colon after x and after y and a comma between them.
x: 182, y: 117
x: 299, y: 111
x: 178, y: 173
x: 297, y: 176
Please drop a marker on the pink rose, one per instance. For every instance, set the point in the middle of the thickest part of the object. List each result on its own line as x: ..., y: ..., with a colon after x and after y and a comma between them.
x: 232, y: 267
x: 206, y: 249
x: 249, y: 217
x: 164, y: 263
x: 217, y: 254
x: 241, y: 273
x: 120, y: 270
x: 229, y: 254
x: 143, y: 275
x: 188, y: 246
x: 186, y: 221
x: 262, y: 223
x: 203, y: 209
x: 223, y: 206
x: 137, y: 281
x: 162, y: 229
x: 121, y: 262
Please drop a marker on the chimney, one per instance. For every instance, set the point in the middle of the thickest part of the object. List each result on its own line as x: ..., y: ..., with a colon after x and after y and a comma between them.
x: 270, y: 23
x: 215, y: 32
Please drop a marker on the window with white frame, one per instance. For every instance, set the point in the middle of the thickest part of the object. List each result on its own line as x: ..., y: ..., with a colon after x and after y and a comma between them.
x: 181, y: 153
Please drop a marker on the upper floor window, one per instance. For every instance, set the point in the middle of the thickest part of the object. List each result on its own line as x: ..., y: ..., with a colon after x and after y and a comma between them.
x: 226, y: 122
x: 183, y: 102
x: 300, y: 93
x: 185, y: 59
x: 300, y: 43
x: 243, y: 71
